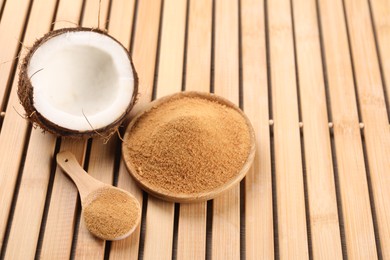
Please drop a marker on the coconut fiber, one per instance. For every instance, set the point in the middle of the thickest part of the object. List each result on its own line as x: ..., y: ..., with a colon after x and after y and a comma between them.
x: 188, y: 145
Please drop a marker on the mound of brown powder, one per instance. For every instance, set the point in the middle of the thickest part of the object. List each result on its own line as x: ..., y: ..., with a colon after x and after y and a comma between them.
x: 188, y: 145
x: 111, y: 214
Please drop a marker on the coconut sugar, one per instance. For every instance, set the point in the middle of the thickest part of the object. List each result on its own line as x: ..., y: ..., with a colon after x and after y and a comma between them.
x: 188, y: 145
x: 111, y: 214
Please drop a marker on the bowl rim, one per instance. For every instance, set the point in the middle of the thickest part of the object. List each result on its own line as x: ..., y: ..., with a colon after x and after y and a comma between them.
x: 199, y: 196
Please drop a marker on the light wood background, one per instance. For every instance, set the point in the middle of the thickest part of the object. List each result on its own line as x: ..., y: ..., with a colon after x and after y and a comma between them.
x: 312, y: 75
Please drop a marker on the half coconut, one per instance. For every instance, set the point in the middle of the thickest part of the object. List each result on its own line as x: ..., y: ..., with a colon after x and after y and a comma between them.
x: 78, y: 82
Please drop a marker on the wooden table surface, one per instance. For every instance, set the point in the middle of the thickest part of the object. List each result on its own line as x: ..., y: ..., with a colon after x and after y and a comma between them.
x: 313, y: 77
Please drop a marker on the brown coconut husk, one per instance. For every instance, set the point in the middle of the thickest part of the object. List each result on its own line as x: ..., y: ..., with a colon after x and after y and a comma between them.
x: 26, y: 91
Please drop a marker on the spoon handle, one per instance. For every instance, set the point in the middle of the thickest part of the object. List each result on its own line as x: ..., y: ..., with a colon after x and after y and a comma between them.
x: 84, y: 182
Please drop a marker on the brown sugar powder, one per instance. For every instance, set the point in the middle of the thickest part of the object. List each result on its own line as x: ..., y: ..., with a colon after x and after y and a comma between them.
x: 111, y: 213
x: 188, y: 145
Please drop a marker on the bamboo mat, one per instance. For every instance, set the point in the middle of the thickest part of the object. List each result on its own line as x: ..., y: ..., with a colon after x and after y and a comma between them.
x: 312, y: 75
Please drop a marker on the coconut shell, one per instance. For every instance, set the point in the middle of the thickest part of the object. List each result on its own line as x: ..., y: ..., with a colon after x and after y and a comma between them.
x: 26, y: 91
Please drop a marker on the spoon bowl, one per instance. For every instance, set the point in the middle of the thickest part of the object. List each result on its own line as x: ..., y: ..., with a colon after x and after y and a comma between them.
x: 110, y: 213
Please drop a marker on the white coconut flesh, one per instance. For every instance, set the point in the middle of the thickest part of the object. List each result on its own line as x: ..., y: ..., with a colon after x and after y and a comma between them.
x: 82, y: 80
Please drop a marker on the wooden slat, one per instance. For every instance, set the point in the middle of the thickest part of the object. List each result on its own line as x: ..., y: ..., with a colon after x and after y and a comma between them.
x: 357, y: 218
x: 12, y: 139
x: 192, y: 231
x: 292, y: 234
x: 144, y: 57
x: 68, y: 14
x: 121, y: 23
x: 170, y: 67
x: 159, y: 229
x: 380, y: 11
x: 59, y: 228
x: 199, y: 46
x: 102, y: 157
x: 374, y: 113
x: 191, y: 242
x: 160, y: 214
x: 226, y: 207
x: 31, y: 198
x: 60, y: 222
x: 1, y: 6
x: 324, y: 222
x: 258, y: 182
x: 96, y: 14
x: 121, y: 20
x: 42, y: 146
x: 57, y: 241
x: 11, y: 30
x: 14, y: 127
x: 145, y: 49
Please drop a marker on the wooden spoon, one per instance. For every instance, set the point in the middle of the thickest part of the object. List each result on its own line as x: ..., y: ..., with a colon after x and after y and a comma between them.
x: 110, y: 213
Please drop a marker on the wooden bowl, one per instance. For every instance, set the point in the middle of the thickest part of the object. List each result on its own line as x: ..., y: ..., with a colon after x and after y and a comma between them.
x: 185, y: 197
